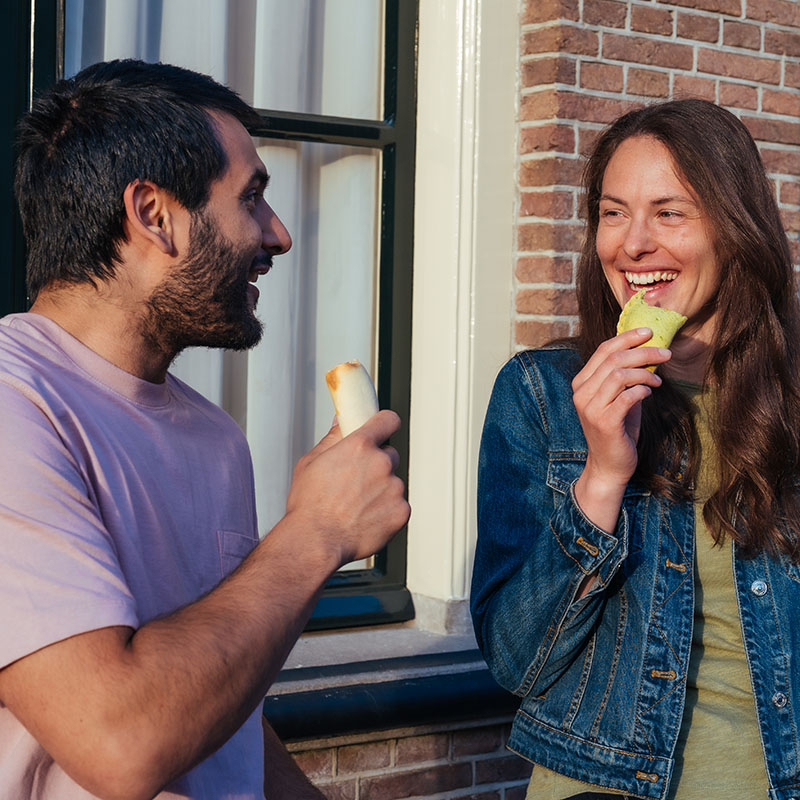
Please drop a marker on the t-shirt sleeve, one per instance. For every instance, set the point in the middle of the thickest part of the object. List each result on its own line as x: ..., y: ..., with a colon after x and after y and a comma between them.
x: 59, y: 572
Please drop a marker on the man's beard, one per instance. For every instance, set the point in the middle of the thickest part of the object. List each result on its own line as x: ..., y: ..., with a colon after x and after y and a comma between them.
x: 204, y: 300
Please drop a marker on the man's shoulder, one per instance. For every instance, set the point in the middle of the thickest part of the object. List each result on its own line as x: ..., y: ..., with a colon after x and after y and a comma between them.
x: 26, y: 350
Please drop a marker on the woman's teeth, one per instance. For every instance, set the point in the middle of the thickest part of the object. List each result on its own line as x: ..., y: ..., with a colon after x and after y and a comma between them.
x: 644, y: 278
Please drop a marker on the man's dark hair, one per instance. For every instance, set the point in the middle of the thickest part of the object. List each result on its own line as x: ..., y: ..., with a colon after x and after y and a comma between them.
x: 88, y: 137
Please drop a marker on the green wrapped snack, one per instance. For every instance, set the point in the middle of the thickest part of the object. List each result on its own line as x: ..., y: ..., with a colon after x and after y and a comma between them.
x: 663, y: 322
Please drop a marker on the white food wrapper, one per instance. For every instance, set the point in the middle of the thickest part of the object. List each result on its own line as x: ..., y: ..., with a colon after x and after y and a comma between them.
x: 353, y: 395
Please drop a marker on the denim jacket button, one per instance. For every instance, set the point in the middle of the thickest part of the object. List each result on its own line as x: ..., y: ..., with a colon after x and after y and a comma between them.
x: 779, y: 699
x: 758, y: 588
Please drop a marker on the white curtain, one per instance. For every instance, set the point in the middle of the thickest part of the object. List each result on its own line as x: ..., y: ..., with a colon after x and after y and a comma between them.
x: 319, y: 302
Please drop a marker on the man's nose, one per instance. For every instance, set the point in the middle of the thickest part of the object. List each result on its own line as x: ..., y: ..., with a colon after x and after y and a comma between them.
x: 275, y: 239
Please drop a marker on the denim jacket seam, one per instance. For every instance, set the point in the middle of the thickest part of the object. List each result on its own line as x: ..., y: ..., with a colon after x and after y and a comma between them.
x: 536, y: 666
x: 786, y: 668
x: 612, y: 673
x: 598, y: 745
x: 534, y: 385
x: 577, y: 695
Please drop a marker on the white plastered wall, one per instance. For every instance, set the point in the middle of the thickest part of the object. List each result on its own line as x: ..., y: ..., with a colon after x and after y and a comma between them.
x: 463, y: 265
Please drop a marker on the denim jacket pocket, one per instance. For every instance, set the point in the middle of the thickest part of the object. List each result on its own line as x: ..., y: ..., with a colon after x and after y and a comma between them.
x: 234, y: 547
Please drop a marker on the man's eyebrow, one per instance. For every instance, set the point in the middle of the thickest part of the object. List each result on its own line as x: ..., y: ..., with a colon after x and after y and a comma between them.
x: 260, y: 177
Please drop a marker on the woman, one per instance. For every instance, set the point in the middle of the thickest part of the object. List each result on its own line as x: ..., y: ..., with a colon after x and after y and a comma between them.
x: 636, y: 578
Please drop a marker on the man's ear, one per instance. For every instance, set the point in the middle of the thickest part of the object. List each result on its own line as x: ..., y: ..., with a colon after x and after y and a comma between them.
x: 150, y: 213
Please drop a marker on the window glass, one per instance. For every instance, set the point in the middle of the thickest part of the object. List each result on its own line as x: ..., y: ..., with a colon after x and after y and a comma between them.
x: 303, y: 56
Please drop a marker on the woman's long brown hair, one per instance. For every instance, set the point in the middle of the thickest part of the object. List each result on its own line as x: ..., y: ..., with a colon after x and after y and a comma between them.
x: 755, y: 361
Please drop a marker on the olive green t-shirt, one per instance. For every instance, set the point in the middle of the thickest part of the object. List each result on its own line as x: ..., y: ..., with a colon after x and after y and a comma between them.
x: 718, y: 754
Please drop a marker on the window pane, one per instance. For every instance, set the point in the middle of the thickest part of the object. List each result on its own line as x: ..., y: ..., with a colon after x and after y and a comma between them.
x: 306, y: 56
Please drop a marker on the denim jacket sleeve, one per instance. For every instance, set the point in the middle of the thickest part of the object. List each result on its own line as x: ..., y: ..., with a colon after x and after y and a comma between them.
x: 535, y: 546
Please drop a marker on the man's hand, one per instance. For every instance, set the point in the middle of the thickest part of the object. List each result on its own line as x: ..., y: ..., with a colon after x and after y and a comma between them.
x: 345, y: 491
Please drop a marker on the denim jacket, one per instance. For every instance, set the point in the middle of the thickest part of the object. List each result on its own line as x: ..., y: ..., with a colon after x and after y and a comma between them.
x: 602, y: 679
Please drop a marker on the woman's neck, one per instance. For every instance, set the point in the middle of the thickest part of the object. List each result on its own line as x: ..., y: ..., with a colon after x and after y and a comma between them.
x: 690, y: 357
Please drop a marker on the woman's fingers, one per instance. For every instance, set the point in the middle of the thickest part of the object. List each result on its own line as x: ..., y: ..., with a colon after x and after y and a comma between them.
x: 623, y: 351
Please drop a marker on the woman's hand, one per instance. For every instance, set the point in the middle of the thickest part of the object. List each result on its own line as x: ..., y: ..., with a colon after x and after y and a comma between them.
x: 608, y: 394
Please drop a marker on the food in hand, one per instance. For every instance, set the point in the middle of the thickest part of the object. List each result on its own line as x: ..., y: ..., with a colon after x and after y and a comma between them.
x: 664, y: 323
x: 353, y: 395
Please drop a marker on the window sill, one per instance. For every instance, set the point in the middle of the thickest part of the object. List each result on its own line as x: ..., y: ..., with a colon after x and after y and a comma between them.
x: 337, y: 684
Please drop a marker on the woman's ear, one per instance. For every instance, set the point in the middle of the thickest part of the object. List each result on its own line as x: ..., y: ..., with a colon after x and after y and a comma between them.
x: 149, y: 212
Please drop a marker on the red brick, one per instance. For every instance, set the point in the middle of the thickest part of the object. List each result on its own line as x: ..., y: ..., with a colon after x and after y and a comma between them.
x: 533, y: 236
x: 586, y: 139
x: 773, y: 130
x: 689, y: 86
x: 737, y: 95
x: 782, y: 42
x: 554, y: 205
x: 651, y: 20
x: 736, y: 65
x: 741, y: 34
x: 544, y: 269
x: 341, y: 790
x: 550, y: 171
x: 531, y: 333
x: 517, y: 793
x: 698, y: 27
x: 416, y: 749
x: 547, y: 302
x: 477, y: 741
x: 481, y: 796
x: 606, y: 77
x: 315, y: 763
x: 733, y: 7
x: 781, y: 162
x: 781, y: 12
x: 539, y: 105
x: 547, y: 138
x: 534, y: 11
x: 647, y: 82
x: 791, y: 75
x: 606, y: 13
x: 786, y: 103
x: 560, y: 39
x: 505, y: 768
x: 790, y: 194
x: 791, y: 220
x: 588, y: 108
x: 647, y: 51
x: 542, y: 71
x: 362, y: 757
x: 432, y: 781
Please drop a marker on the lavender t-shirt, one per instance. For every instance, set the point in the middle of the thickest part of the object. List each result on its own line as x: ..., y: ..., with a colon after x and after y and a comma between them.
x: 120, y: 501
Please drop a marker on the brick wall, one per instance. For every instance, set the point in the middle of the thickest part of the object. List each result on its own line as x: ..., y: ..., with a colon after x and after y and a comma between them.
x: 585, y: 62
x: 426, y: 764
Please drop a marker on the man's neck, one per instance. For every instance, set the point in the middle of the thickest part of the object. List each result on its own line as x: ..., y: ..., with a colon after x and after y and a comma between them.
x: 107, y: 325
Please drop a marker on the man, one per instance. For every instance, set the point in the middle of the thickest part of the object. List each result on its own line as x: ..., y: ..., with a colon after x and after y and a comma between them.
x: 141, y: 622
